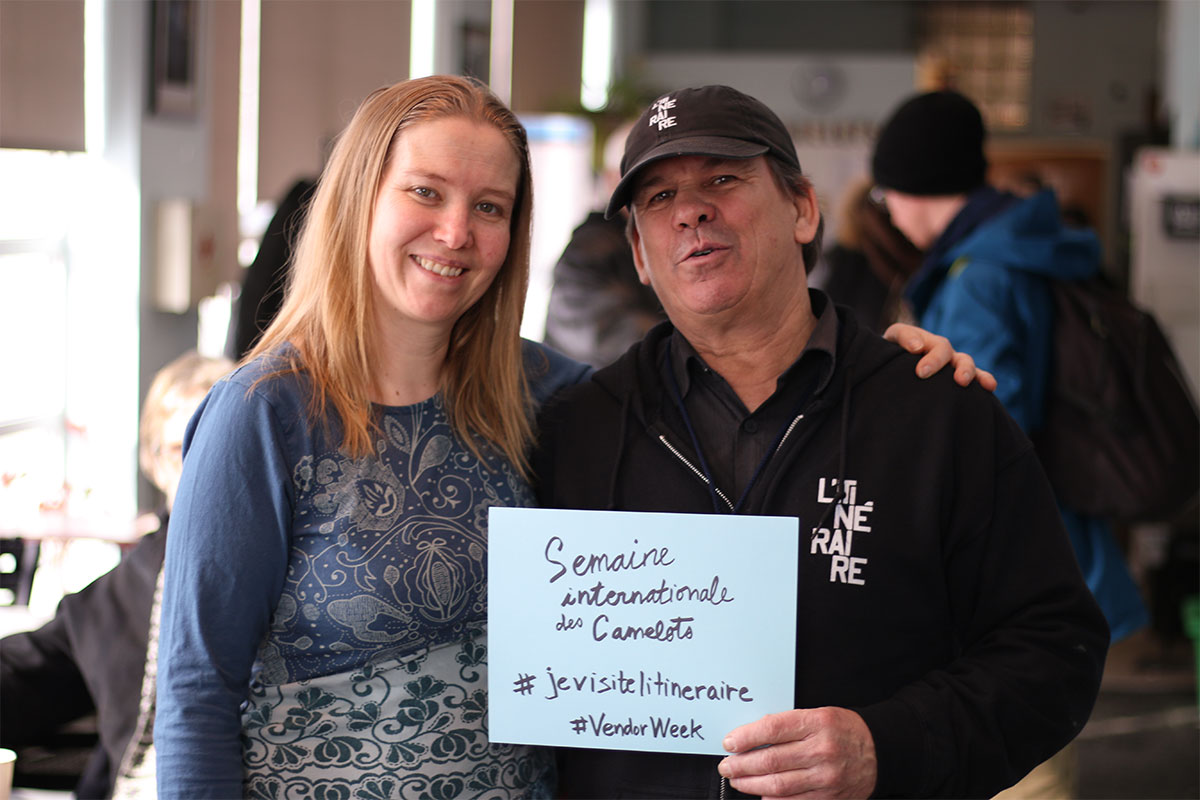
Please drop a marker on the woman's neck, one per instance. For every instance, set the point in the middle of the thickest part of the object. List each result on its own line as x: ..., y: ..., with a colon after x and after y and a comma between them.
x: 408, y: 368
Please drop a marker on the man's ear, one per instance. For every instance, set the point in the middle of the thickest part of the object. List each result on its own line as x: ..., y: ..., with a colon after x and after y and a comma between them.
x: 808, y: 214
x: 635, y: 242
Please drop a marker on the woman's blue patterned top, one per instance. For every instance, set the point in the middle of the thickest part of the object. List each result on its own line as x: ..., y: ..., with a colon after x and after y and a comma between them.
x: 288, y: 560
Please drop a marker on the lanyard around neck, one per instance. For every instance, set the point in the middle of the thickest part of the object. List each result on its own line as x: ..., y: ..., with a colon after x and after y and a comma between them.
x: 677, y: 396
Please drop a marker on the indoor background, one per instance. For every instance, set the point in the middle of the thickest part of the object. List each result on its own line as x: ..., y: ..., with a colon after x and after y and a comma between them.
x: 145, y: 143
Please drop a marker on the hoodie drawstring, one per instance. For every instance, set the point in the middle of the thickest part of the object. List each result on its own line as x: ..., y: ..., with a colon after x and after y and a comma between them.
x: 616, y: 470
x: 715, y: 493
x: 840, y: 494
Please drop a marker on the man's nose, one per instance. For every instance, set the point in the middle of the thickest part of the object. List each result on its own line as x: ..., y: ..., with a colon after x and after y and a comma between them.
x: 692, y: 208
x: 453, y: 228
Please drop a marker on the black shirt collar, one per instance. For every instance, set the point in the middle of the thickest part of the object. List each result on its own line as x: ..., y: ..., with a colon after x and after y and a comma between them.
x: 821, y: 345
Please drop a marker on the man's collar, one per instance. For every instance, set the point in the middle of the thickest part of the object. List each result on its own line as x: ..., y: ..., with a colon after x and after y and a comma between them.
x: 823, y: 339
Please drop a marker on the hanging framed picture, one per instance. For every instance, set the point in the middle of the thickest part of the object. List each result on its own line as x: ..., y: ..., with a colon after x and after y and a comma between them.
x: 173, y: 50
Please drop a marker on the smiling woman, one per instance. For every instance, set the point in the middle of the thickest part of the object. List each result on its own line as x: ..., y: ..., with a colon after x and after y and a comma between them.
x: 331, y: 523
x: 439, y: 235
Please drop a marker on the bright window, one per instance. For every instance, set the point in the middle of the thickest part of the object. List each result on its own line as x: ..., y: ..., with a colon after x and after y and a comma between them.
x: 985, y: 51
x: 68, y: 362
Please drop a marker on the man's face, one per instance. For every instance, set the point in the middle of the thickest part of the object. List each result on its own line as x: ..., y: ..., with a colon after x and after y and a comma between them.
x: 719, y: 237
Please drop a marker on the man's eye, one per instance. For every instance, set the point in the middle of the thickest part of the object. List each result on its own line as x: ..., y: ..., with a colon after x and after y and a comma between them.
x: 720, y: 179
x: 658, y: 197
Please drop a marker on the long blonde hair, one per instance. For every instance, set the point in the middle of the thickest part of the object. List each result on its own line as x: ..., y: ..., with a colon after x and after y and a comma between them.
x: 327, y: 312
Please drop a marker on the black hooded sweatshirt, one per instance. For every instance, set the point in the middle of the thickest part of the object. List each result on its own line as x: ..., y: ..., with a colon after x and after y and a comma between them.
x: 940, y: 600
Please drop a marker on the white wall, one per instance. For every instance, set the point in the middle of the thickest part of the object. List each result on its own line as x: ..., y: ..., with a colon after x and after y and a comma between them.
x: 320, y: 58
x: 1181, y: 43
x: 41, y: 74
x: 833, y: 130
x: 560, y: 152
x: 868, y: 86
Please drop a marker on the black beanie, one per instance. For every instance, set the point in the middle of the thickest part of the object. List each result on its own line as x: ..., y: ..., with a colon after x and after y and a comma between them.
x: 932, y: 145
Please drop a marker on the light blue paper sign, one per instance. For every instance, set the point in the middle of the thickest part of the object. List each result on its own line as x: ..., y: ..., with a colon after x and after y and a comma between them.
x: 638, y: 631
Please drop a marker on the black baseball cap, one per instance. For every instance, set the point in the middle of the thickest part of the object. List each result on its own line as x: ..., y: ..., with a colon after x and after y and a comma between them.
x: 714, y: 121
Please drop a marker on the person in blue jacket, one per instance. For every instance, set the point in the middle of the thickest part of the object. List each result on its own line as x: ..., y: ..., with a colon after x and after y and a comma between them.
x: 984, y: 285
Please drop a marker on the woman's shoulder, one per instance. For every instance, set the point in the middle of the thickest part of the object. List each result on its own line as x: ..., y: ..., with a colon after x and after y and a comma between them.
x: 263, y: 397
x: 549, y: 370
x: 278, y: 370
x: 273, y: 378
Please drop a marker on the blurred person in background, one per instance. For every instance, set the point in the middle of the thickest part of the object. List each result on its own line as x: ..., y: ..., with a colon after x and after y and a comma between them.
x: 984, y: 284
x: 598, y: 307
x: 868, y: 265
x: 96, y: 655
x: 265, y: 280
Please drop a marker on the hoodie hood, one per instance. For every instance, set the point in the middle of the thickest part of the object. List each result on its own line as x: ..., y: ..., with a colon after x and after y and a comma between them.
x: 635, y: 383
x: 1030, y: 236
x: 640, y: 366
x: 1019, y: 234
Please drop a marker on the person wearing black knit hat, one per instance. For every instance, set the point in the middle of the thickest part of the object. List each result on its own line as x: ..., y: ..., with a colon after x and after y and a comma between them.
x: 985, y: 284
x: 932, y: 145
x: 928, y: 662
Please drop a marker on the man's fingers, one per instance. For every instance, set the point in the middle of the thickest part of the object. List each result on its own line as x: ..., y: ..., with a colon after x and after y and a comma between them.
x: 766, y: 760
x: 939, y: 355
x: 771, y: 729
x: 827, y: 751
x: 964, y: 369
x: 778, y: 770
x: 784, y: 770
x: 907, y: 336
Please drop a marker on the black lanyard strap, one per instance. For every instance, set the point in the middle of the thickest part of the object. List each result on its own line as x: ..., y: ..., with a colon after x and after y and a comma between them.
x: 677, y: 396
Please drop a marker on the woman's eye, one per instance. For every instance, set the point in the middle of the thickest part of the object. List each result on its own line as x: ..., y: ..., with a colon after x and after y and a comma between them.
x: 490, y: 208
x: 424, y: 191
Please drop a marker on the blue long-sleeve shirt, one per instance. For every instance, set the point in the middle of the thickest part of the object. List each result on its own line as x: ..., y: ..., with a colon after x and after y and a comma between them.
x: 288, y: 560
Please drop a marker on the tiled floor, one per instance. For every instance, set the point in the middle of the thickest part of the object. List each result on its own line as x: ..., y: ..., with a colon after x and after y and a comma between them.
x: 1143, y: 739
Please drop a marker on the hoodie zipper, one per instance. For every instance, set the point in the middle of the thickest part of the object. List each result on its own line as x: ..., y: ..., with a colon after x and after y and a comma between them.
x: 707, y: 481
x: 704, y: 478
x: 662, y: 438
x: 695, y: 471
x: 788, y: 433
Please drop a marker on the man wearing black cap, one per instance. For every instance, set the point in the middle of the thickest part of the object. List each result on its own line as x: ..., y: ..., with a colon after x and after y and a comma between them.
x: 930, y: 660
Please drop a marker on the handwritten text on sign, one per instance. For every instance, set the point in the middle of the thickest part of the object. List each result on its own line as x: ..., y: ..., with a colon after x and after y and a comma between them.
x: 637, y: 631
